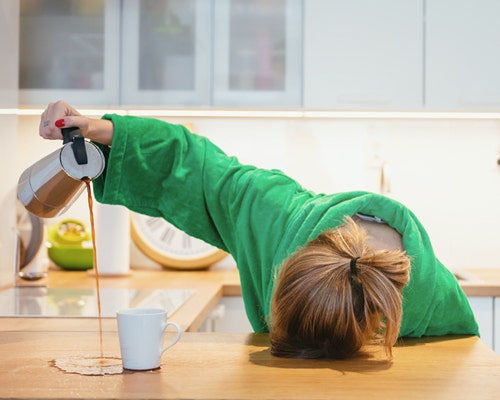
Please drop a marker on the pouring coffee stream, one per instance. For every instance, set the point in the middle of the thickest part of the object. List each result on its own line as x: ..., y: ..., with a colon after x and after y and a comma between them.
x: 49, y: 187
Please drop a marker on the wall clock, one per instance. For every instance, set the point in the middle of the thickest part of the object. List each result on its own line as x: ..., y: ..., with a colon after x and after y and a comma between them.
x: 171, y: 247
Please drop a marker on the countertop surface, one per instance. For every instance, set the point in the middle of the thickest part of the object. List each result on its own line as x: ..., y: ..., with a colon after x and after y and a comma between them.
x: 237, y: 366
x: 232, y: 365
x: 480, y: 281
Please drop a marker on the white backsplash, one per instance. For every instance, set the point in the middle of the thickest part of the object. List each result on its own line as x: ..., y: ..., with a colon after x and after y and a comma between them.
x: 444, y: 170
x: 8, y: 149
x: 8, y: 179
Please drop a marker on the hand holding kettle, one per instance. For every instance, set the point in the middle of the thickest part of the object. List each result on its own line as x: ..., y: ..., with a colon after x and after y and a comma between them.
x: 60, y: 114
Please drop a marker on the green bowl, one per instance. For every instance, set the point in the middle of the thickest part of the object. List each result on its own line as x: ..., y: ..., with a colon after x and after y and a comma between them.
x: 71, y: 257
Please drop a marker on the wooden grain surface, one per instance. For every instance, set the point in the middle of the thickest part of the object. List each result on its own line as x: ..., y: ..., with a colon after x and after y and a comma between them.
x: 239, y: 366
x: 229, y: 366
x: 482, y: 282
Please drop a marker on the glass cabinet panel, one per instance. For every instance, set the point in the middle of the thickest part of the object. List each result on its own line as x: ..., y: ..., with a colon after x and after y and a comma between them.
x: 69, y: 49
x: 166, y: 52
x: 257, y: 48
x: 161, y: 52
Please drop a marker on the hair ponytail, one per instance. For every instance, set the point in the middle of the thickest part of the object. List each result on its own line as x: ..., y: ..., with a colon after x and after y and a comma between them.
x: 336, y: 295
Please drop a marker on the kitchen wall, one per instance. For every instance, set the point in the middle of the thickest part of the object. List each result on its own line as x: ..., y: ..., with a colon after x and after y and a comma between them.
x: 445, y: 170
x: 8, y: 134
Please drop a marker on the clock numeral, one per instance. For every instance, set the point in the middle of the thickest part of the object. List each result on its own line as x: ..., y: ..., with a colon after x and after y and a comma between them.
x: 168, y: 238
x: 168, y: 235
x: 154, y: 223
x: 169, y: 245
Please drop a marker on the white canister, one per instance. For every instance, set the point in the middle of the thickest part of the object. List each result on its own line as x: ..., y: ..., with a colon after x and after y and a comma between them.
x: 112, y: 238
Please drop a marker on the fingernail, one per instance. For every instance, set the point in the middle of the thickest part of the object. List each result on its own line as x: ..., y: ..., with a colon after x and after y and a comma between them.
x: 60, y: 123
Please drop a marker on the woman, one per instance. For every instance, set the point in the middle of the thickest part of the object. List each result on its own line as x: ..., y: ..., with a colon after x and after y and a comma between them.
x: 324, y: 274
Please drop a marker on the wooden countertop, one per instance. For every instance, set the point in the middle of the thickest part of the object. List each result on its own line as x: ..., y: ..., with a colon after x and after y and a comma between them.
x: 238, y: 366
x: 233, y: 366
x: 480, y: 281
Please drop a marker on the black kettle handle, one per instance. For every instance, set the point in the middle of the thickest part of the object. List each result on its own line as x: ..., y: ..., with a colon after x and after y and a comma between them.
x: 74, y: 135
x: 69, y: 134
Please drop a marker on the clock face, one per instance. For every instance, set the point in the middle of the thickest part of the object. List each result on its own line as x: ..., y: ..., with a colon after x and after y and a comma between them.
x: 170, y: 246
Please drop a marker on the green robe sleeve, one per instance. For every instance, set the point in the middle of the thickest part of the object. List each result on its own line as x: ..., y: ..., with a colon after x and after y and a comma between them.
x: 160, y: 169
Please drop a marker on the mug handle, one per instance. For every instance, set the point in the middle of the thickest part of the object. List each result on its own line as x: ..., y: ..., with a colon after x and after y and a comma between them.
x: 179, y: 332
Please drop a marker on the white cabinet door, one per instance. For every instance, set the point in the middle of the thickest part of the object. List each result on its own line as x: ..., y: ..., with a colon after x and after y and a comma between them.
x: 483, y: 311
x: 496, y: 331
x: 363, y: 54
x: 9, y: 28
x: 462, y: 54
x: 69, y: 50
x: 203, y: 53
x: 166, y: 52
x: 257, y: 53
x: 228, y: 316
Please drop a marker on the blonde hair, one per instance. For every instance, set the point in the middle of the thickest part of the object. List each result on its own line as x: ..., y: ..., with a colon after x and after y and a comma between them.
x: 336, y: 295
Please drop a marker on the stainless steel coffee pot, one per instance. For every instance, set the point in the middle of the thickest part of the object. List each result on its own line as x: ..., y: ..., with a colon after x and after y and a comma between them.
x: 51, y: 185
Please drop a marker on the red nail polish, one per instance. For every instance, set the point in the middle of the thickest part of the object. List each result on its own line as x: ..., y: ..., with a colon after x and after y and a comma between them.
x: 60, y: 123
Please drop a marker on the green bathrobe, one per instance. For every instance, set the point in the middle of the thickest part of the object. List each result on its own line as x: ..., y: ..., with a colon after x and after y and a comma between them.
x: 262, y: 216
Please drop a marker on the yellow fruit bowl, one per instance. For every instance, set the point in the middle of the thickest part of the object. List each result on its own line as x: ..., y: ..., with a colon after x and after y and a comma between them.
x: 70, y: 245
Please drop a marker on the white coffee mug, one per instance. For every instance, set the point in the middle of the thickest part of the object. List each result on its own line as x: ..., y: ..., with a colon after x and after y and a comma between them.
x: 141, y: 332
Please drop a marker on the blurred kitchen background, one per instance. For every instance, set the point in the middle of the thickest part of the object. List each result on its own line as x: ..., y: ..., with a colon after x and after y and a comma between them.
x: 400, y: 97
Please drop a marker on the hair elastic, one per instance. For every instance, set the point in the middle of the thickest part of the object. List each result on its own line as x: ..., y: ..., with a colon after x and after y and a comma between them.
x: 352, y: 265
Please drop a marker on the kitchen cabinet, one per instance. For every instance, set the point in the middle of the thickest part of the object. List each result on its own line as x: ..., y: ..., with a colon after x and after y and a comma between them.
x: 317, y: 54
x: 228, y: 316
x: 166, y: 52
x: 69, y: 50
x: 363, y: 54
x: 162, y: 53
x: 424, y: 55
x: 462, y: 55
x: 257, y: 53
x: 483, y: 307
x: 496, y: 327
x: 222, y: 53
